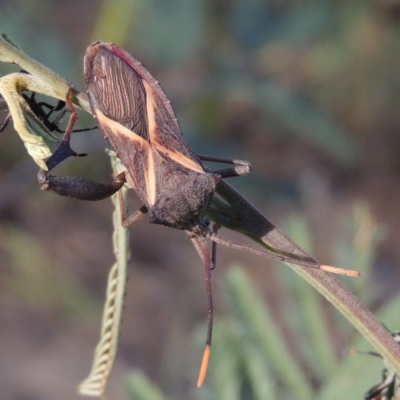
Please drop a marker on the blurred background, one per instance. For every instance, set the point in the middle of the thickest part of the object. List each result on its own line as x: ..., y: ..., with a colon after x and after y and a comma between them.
x: 308, y: 92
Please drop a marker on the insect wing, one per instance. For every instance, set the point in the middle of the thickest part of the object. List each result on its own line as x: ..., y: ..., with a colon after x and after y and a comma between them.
x: 136, y: 118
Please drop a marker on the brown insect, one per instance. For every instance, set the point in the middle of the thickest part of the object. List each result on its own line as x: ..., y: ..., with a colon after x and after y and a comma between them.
x: 138, y: 121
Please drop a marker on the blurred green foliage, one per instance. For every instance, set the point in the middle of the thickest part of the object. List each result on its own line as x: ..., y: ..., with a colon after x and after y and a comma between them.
x: 36, y: 281
x: 292, y: 86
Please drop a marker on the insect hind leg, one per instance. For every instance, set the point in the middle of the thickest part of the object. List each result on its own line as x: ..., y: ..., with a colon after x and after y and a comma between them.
x: 200, y: 245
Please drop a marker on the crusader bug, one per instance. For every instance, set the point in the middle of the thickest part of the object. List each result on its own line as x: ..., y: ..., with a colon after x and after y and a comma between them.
x: 139, y: 123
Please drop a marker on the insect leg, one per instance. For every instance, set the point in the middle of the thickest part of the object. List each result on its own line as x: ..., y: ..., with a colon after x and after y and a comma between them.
x: 241, y: 167
x: 201, y: 246
x: 70, y: 186
x: 64, y: 150
x: 38, y: 109
x: 134, y: 218
x: 79, y: 188
x: 6, y: 121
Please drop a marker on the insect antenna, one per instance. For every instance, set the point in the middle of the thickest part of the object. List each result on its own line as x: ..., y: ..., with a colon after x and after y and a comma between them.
x: 293, y: 259
x: 214, y: 248
x: 353, y: 352
x: 201, y: 246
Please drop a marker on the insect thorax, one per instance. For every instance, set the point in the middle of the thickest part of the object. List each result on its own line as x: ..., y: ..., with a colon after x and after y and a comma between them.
x: 184, y: 201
